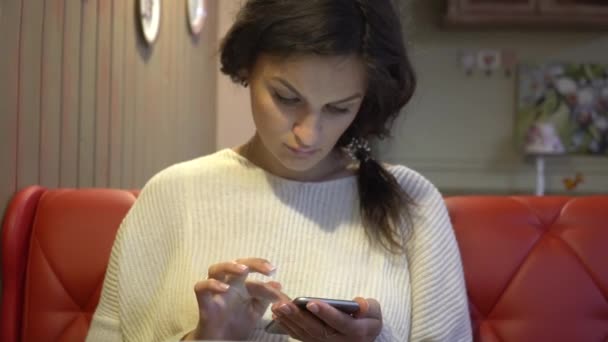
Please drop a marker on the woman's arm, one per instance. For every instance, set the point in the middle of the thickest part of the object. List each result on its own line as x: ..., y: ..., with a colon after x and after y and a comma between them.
x: 141, y: 251
x: 439, y: 300
x: 105, y: 325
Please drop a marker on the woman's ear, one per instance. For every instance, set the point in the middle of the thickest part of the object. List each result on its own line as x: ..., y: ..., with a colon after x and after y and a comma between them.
x: 243, y: 76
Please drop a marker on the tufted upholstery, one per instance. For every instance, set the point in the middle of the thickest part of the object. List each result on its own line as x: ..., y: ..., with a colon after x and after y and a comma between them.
x: 536, y: 268
x: 56, y: 245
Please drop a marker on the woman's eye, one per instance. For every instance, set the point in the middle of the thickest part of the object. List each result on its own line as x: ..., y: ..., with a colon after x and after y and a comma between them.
x: 337, y: 110
x: 286, y: 100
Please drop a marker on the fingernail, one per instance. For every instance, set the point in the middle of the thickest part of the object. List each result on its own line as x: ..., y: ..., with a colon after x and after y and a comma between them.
x: 312, y: 307
x: 242, y: 267
x: 270, y: 268
x: 285, y: 309
x: 224, y: 286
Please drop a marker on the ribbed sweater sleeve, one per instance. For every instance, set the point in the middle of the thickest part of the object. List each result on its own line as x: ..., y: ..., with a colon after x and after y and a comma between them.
x: 439, y: 300
x: 145, y: 245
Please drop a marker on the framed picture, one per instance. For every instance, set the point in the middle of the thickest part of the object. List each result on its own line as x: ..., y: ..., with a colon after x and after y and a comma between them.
x: 197, y: 12
x: 149, y: 18
x: 563, y: 108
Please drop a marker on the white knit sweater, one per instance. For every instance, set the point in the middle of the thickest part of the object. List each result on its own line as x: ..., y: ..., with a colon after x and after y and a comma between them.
x: 222, y: 207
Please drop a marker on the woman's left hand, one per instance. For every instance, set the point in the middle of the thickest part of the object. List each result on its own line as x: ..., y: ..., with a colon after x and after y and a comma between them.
x: 322, y: 322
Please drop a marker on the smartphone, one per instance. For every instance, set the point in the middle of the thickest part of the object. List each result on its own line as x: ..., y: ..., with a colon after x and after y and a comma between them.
x: 347, y: 306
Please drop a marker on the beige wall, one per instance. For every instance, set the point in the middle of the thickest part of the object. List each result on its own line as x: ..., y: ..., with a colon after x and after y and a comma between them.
x: 84, y: 102
x: 458, y: 130
x: 234, y: 122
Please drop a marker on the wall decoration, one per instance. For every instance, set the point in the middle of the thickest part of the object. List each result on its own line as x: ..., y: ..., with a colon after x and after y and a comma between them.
x: 149, y: 17
x: 571, y: 183
x: 197, y: 12
x: 488, y: 61
x: 563, y: 108
x: 468, y: 60
x: 509, y: 61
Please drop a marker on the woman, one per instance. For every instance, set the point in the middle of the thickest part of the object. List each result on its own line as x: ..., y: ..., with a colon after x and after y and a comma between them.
x: 304, y: 192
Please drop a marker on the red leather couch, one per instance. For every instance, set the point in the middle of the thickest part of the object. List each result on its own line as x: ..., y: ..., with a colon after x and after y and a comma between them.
x: 536, y: 267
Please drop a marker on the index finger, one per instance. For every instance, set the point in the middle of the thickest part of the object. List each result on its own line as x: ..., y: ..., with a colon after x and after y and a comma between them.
x: 258, y: 265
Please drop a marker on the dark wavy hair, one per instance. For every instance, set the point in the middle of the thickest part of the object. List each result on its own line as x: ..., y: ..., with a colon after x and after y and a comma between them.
x: 369, y: 29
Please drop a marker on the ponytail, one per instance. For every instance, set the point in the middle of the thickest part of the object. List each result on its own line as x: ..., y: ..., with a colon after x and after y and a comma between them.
x: 384, y: 207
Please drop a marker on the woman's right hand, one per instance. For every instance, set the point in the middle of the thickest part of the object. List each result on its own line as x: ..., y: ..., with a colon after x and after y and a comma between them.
x: 229, y: 304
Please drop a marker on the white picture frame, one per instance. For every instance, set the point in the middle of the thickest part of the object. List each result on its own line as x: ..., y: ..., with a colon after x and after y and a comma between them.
x: 197, y: 13
x: 149, y: 13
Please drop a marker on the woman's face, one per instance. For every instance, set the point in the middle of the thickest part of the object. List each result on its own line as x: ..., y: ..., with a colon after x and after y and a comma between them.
x: 301, y: 106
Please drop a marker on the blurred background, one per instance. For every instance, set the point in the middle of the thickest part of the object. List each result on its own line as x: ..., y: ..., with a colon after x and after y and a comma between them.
x: 105, y: 93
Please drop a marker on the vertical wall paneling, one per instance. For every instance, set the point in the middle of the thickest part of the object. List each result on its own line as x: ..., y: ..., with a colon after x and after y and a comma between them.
x: 158, y: 83
x: 50, y: 93
x: 117, y: 93
x: 190, y: 92
x: 70, y: 99
x: 183, y: 34
x: 207, y: 89
x: 193, y: 92
x: 104, y: 76
x: 196, y: 93
x: 10, y: 30
x: 141, y: 100
x: 85, y: 102
x: 150, y: 108
x: 129, y: 95
x: 28, y: 144
x: 172, y: 115
x: 88, y: 85
x: 146, y: 113
x: 154, y: 74
x: 163, y: 86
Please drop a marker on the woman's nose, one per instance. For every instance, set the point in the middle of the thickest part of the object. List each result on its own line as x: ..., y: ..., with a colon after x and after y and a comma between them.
x: 308, y: 129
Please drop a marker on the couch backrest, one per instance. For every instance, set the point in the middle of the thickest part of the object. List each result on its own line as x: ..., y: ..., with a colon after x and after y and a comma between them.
x: 536, y: 268
x: 71, y: 239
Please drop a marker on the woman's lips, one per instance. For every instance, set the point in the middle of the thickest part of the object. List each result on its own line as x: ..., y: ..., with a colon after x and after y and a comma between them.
x: 302, y: 151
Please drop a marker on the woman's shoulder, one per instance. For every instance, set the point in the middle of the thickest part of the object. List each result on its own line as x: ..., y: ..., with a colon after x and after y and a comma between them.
x: 429, y: 212
x: 202, y: 168
x: 418, y: 187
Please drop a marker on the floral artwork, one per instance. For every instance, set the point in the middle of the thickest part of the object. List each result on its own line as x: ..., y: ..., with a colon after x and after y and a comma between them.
x: 563, y: 108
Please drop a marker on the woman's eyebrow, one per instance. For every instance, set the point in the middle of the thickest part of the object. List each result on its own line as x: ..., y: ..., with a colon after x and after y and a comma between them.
x: 293, y: 89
